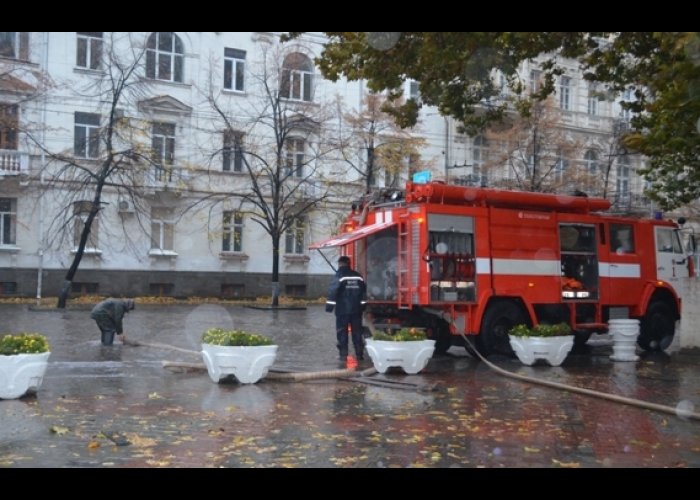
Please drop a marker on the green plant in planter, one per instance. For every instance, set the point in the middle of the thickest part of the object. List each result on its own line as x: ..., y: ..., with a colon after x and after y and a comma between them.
x: 219, y: 336
x: 23, y: 343
x: 558, y: 330
x: 407, y: 334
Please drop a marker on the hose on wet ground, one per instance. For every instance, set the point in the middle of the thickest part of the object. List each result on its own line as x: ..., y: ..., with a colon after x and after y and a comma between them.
x: 582, y: 390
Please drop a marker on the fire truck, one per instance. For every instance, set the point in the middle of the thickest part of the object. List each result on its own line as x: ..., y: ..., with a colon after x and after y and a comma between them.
x: 470, y: 261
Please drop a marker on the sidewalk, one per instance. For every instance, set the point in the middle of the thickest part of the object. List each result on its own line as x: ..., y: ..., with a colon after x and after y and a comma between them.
x: 94, y: 400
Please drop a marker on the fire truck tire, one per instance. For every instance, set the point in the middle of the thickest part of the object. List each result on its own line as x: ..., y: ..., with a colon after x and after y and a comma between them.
x: 499, y: 318
x: 580, y: 340
x: 657, y: 328
x: 443, y: 341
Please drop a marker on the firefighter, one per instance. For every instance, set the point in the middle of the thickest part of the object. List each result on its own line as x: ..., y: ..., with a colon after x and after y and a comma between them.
x: 108, y: 315
x: 347, y: 294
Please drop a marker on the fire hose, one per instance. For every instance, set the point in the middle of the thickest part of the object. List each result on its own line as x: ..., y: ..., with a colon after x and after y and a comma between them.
x: 582, y: 390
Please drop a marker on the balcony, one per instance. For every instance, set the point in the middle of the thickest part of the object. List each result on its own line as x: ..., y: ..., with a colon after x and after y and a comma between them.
x: 13, y: 162
x: 166, y: 178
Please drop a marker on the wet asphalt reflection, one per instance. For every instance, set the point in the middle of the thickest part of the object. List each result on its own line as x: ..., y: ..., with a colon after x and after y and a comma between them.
x: 467, y: 417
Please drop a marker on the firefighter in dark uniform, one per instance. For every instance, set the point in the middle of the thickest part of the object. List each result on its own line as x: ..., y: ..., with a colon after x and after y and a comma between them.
x: 347, y: 294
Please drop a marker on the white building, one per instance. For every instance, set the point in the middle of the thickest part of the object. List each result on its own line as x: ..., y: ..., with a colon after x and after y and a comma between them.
x: 174, y: 217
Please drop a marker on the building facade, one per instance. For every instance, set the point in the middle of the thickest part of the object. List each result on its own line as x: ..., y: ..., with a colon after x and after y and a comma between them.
x: 203, y: 142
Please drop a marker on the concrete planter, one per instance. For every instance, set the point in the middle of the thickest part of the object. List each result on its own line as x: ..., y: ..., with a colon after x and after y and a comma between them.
x: 21, y: 373
x: 553, y: 350
x: 247, y: 363
x: 412, y: 356
x: 624, y: 333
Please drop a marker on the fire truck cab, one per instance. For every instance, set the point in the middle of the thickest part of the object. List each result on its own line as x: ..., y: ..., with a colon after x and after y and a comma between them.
x: 470, y: 261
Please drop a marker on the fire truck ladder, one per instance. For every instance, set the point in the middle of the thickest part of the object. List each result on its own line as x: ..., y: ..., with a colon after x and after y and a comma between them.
x: 404, y: 265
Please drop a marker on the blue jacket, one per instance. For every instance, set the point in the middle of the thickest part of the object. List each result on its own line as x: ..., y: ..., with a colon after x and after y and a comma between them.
x: 347, y: 292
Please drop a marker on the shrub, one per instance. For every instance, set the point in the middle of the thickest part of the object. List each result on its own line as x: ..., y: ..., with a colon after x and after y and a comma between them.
x: 23, y: 343
x: 219, y: 336
x: 557, y: 330
x: 407, y: 334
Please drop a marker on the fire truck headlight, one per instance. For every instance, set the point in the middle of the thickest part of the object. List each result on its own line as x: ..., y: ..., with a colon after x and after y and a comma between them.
x: 568, y: 294
x: 583, y: 295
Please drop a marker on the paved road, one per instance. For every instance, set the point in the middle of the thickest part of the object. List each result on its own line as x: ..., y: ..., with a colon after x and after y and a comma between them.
x: 92, y: 397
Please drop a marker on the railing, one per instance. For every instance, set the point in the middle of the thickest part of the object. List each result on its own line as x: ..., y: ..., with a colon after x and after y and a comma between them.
x: 13, y: 162
x: 164, y: 176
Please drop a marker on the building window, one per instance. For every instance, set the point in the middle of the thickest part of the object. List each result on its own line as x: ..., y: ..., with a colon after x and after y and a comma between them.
x: 234, y: 69
x: 8, y: 287
x: 565, y: 93
x: 8, y: 221
x: 9, y: 123
x: 89, y: 53
x: 165, y: 58
x: 232, y: 151
x: 590, y: 160
x: 623, y: 178
x: 480, y: 154
x: 232, y: 290
x: 162, y: 229
x: 295, y: 157
x: 295, y: 290
x: 560, y: 167
x: 625, y: 113
x: 163, y: 143
x: 161, y: 289
x: 502, y: 85
x: 232, y: 240
x: 294, y: 238
x: 480, y: 151
x: 297, y: 78
x: 86, y: 139
x: 535, y: 80
x: 84, y: 288
x: 14, y: 45
x: 592, y: 99
x: 414, y: 90
x: 81, y: 212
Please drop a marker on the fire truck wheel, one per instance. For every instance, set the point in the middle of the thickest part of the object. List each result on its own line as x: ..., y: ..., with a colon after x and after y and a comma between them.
x: 443, y: 341
x: 657, y: 328
x: 500, y: 317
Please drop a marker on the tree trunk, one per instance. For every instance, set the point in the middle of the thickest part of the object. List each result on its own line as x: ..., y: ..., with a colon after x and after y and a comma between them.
x: 370, y: 166
x: 275, y: 271
x: 64, y: 294
x: 65, y: 289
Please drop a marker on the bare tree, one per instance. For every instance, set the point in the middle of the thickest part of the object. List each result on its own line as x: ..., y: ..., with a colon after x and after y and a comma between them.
x: 108, y: 152
x: 537, y: 150
x: 375, y: 143
x: 277, y: 136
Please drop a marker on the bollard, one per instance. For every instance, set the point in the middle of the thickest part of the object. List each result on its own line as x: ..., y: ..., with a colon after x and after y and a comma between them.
x: 624, y: 333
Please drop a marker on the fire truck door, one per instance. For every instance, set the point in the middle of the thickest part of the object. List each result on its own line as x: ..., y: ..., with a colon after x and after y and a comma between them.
x: 622, y: 264
x: 671, y: 261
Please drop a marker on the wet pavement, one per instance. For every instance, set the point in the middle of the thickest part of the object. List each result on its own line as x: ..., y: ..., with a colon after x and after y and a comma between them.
x: 117, y: 407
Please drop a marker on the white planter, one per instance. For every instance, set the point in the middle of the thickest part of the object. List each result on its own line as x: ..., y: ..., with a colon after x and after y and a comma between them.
x: 20, y: 373
x: 412, y: 356
x: 624, y: 333
x: 553, y: 350
x: 247, y: 363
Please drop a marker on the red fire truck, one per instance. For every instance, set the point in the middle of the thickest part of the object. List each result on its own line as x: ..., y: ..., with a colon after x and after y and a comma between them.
x: 465, y: 260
